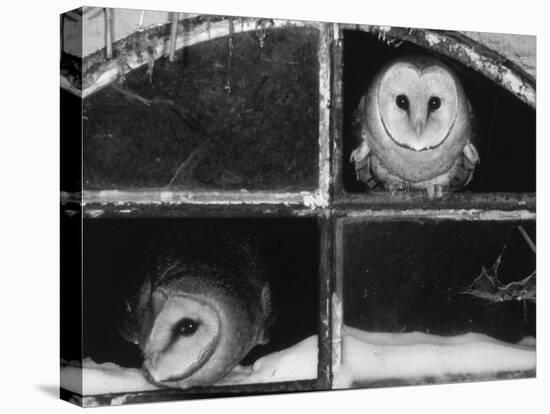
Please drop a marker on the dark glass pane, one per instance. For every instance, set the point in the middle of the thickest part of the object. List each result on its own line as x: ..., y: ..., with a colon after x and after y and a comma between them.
x: 404, y: 276
x: 218, y: 117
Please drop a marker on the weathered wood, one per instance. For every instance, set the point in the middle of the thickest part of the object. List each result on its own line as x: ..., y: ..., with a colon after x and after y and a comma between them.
x: 143, y: 47
x: 465, y: 50
x: 325, y: 366
x: 419, y: 200
x: 174, y: 197
x: 337, y: 118
x: 446, y: 379
x: 135, y: 211
x: 325, y: 69
x: 437, y: 214
x: 520, y: 49
x: 139, y: 48
x: 171, y: 394
x: 337, y: 295
x: 128, y: 202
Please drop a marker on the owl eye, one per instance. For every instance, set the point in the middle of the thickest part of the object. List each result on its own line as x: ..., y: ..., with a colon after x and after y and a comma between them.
x: 434, y: 103
x: 402, y: 102
x: 186, y: 327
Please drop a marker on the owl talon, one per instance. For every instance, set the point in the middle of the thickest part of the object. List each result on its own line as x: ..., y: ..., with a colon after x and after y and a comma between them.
x: 435, y: 191
x: 398, y: 190
x: 431, y: 191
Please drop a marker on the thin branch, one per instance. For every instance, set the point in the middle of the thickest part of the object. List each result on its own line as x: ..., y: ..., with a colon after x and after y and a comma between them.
x: 185, y: 170
x: 108, y: 34
x: 141, y: 99
x: 173, y: 34
x: 132, y: 95
x: 527, y: 239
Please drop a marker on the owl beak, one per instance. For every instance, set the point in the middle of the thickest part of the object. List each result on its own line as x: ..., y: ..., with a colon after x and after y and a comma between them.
x: 418, y: 122
x: 418, y: 128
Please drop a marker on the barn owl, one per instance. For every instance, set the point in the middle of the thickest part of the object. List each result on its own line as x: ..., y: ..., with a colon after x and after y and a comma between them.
x: 203, y: 305
x: 416, y: 128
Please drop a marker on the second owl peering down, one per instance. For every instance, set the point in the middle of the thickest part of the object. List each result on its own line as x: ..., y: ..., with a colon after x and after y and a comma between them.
x: 415, y: 127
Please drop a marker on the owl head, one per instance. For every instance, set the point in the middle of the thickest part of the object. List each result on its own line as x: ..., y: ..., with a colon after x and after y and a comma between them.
x: 417, y: 117
x: 179, y: 336
x: 202, y: 306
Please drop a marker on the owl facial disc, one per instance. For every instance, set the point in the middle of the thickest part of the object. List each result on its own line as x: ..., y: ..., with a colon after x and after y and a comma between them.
x: 184, y: 336
x: 418, y: 106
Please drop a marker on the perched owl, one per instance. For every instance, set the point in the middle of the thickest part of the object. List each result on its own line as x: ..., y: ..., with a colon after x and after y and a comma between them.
x: 415, y: 125
x: 202, y: 306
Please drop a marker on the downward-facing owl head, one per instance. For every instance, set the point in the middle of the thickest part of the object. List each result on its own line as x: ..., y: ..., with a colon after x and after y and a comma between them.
x: 182, y: 337
x: 203, y: 304
x: 418, y: 101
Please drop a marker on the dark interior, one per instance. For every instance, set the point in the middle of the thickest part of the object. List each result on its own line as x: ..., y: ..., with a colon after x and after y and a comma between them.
x: 403, y: 276
x: 506, y: 126
x: 113, y: 248
x: 229, y: 113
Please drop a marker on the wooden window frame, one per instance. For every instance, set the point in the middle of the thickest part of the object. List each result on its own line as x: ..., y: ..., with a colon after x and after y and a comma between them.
x: 329, y: 203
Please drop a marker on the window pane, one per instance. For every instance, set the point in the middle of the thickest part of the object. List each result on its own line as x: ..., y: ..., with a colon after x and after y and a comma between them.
x: 121, y: 254
x: 231, y: 113
x: 424, y: 276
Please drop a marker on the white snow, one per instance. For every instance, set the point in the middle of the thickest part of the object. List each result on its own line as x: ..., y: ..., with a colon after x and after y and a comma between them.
x: 366, y: 356
x: 370, y: 356
x: 103, y: 378
x: 297, y: 362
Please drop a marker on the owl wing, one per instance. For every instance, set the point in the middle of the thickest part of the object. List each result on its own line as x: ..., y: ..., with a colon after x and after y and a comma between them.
x: 364, y: 172
x: 362, y: 159
x: 358, y: 133
x: 471, y: 154
x: 361, y: 156
x: 465, y: 171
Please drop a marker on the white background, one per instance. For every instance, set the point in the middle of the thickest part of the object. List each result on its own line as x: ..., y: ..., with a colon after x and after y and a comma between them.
x: 29, y: 232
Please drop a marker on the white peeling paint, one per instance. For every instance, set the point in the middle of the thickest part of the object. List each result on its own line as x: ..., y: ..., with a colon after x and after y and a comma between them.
x: 166, y: 196
x: 315, y: 200
x: 323, y: 55
x: 198, y: 34
x: 157, y: 197
x: 337, y: 327
x: 94, y: 213
x: 432, y: 39
x: 445, y: 214
x: 476, y: 57
x: 499, y: 73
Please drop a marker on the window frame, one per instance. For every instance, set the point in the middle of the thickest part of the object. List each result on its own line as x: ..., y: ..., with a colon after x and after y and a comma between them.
x: 329, y: 203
